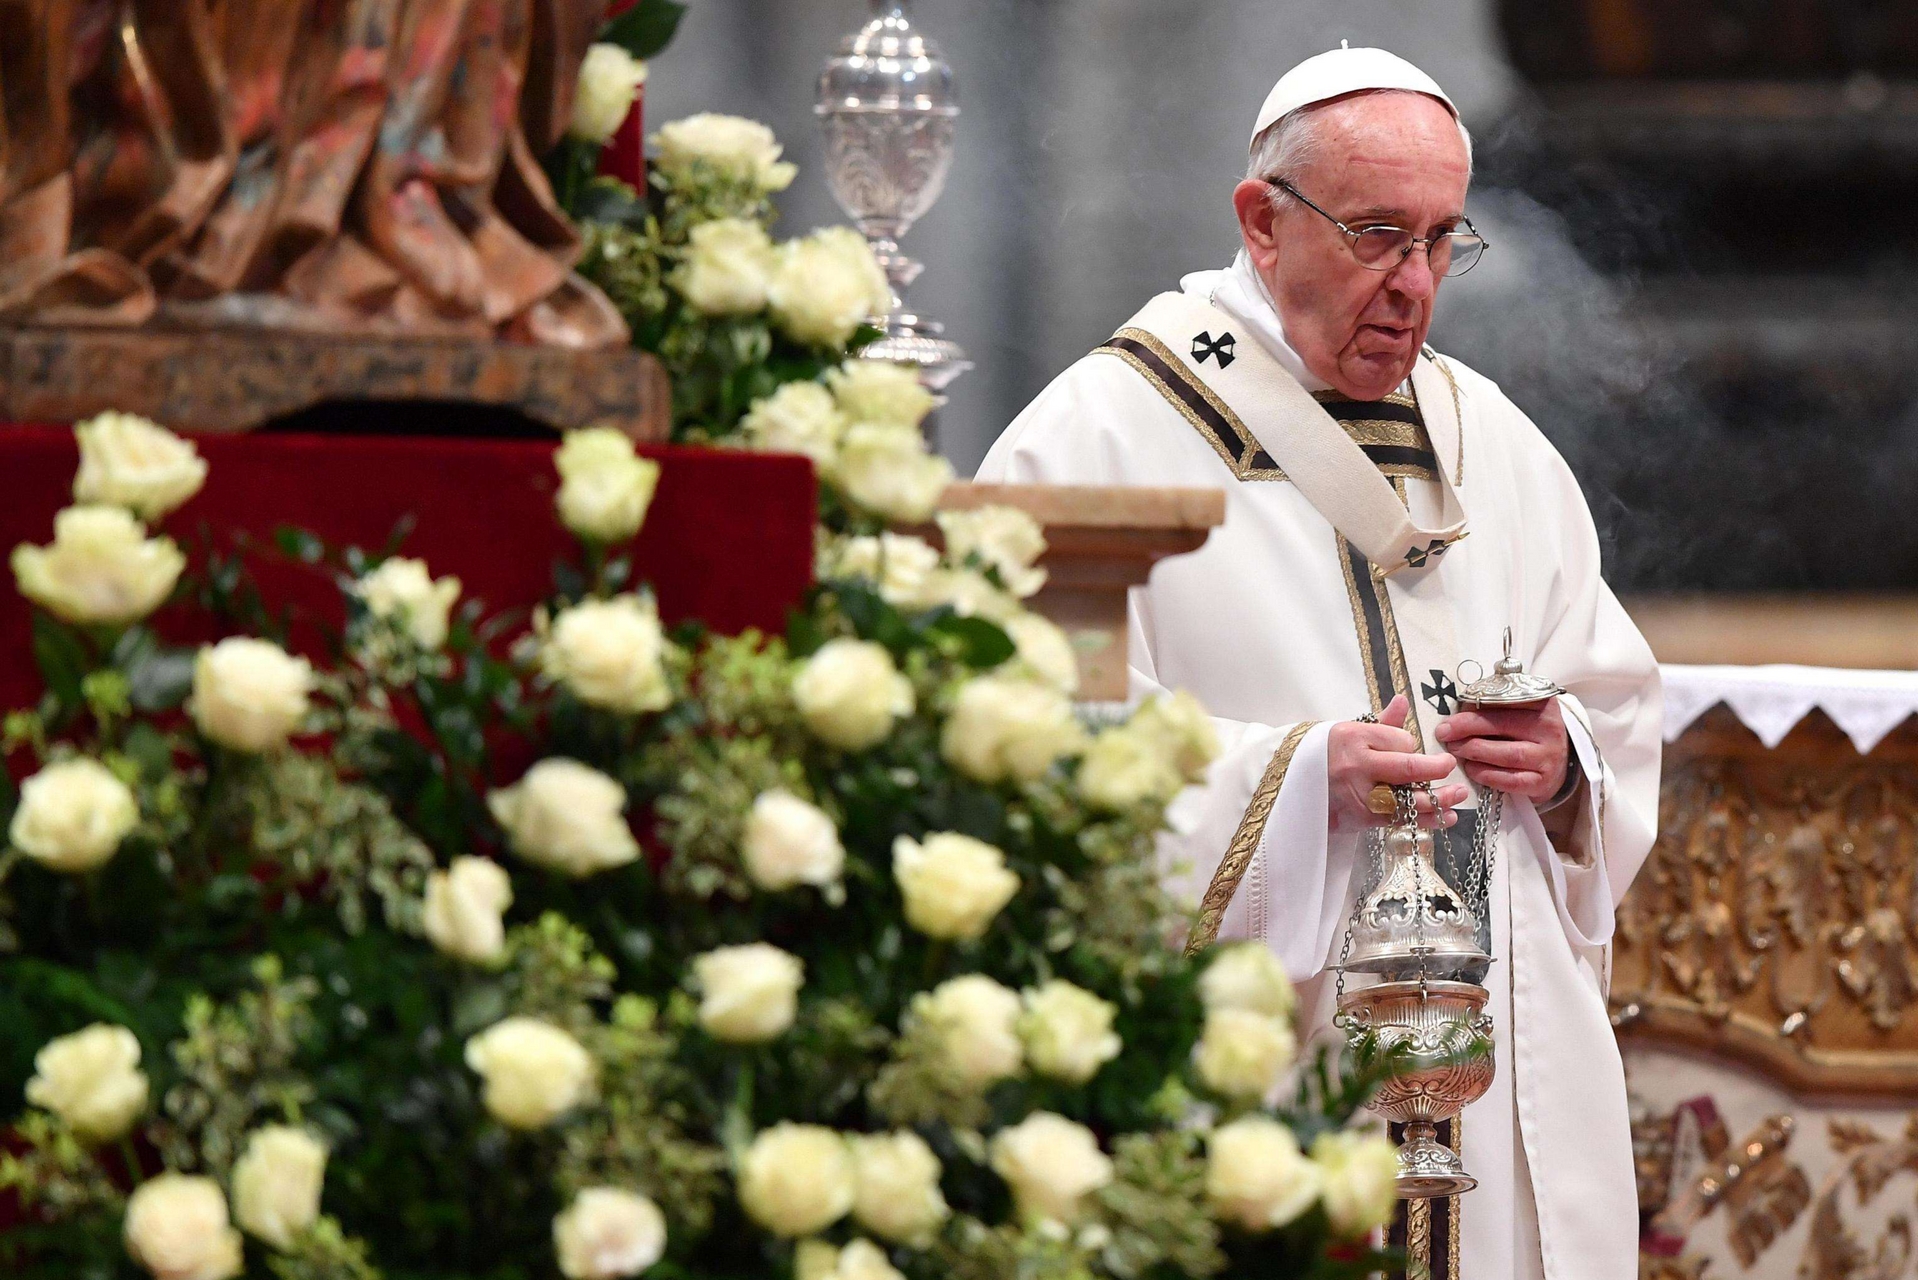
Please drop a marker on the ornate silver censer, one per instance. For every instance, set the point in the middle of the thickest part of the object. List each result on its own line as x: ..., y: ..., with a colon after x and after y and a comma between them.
x: 1420, y: 936
x: 1509, y: 685
x: 886, y: 101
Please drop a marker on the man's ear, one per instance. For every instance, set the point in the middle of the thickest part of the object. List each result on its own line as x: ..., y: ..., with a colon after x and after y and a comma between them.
x: 1252, y: 200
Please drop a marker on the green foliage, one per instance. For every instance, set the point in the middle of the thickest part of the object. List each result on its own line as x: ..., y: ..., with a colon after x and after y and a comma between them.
x: 342, y: 836
x: 638, y: 1133
x: 555, y: 973
x: 645, y: 29
x: 1154, y: 1208
x: 235, y: 1065
x: 55, y: 1175
x: 324, y: 1252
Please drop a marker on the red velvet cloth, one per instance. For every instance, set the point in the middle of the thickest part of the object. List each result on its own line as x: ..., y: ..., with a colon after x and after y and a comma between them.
x: 728, y: 540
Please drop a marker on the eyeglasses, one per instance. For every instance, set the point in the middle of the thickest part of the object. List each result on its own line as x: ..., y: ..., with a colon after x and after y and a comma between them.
x: 1384, y: 248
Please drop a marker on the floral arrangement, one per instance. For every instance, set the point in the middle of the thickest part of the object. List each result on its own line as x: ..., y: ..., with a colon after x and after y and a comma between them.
x: 489, y: 950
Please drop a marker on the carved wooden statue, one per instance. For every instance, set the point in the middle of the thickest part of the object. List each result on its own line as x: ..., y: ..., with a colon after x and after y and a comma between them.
x: 359, y: 166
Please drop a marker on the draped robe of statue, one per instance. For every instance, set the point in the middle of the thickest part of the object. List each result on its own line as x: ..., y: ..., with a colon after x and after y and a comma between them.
x: 331, y: 165
x: 1343, y: 575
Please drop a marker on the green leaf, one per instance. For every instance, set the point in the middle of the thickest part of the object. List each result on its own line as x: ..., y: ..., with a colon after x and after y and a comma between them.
x: 147, y: 747
x: 646, y: 28
x: 982, y: 644
x: 160, y: 678
x: 610, y: 200
x: 61, y: 658
x: 873, y: 618
x: 301, y: 544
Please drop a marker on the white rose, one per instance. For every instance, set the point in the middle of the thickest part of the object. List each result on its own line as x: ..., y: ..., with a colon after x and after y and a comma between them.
x: 1002, y: 538
x: 1003, y: 728
x: 815, y: 1259
x: 976, y: 1024
x: 863, y: 1260
x: 1185, y: 728
x: 92, y: 1080
x: 177, y: 1228
x: 898, y: 1193
x: 1067, y: 1031
x: 609, y: 653
x: 605, y: 486
x: 464, y: 906
x: 953, y: 885
x: 566, y: 816
x: 727, y: 147
x: 887, y: 469
x: 1124, y: 767
x: 609, y: 80
x: 796, y: 1179
x: 72, y: 816
x: 1246, y: 975
x: 249, y: 694
x: 880, y: 391
x: 800, y: 417
x: 1361, y: 1180
x: 827, y: 285
x: 1044, y: 650
x: 607, y: 1234
x: 970, y: 594
x: 789, y: 842
x: 849, y: 694
x: 748, y: 994
x: 277, y: 1183
x: 1243, y: 1054
x: 727, y: 267
x: 402, y: 591
x: 534, y: 1073
x: 101, y: 567
x: 1051, y: 1164
x: 1255, y: 1175
x: 128, y: 461
x: 899, y: 565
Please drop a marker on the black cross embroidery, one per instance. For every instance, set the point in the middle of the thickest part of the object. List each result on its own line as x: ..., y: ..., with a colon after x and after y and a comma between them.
x: 1219, y: 348
x: 1441, y: 693
x: 1432, y: 550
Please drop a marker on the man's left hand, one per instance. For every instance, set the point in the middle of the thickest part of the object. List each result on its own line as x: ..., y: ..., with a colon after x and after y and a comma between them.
x: 1522, y: 751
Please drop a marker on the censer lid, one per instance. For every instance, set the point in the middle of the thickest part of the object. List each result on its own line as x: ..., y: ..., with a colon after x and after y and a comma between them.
x: 1509, y: 685
x: 1413, y: 923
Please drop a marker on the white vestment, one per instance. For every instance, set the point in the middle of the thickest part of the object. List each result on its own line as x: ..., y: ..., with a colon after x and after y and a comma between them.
x: 1272, y: 628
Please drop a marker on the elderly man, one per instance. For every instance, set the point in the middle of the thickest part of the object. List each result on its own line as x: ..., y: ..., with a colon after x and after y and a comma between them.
x: 1356, y: 461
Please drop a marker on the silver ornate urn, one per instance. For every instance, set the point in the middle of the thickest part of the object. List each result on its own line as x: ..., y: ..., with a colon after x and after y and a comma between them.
x: 1419, y: 936
x: 886, y: 101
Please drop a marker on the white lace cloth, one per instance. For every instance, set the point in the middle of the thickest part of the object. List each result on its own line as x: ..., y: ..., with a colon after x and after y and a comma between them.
x: 1769, y: 700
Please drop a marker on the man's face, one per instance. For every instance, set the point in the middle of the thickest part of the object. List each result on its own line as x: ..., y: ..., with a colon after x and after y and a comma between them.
x: 1385, y: 158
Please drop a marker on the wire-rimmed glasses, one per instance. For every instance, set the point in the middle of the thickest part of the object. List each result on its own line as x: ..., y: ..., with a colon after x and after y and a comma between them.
x: 1382, y: 248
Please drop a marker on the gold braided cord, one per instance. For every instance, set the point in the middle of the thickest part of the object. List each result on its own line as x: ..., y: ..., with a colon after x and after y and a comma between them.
x: 1245, y: 842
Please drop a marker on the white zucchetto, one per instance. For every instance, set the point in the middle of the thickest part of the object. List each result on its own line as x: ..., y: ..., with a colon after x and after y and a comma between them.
x: 1340, y: 71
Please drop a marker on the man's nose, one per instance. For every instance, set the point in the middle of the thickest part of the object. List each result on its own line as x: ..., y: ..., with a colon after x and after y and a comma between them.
x: 1414, y: 276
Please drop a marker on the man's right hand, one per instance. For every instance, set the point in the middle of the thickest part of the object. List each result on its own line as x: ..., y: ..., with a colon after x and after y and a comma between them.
x: 1360, y: 756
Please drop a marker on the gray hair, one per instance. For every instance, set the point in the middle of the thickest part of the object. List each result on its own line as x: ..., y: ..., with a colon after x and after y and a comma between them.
x: 1290, y: 143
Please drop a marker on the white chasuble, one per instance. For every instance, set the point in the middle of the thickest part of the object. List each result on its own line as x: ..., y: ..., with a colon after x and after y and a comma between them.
x: 1362, y: 558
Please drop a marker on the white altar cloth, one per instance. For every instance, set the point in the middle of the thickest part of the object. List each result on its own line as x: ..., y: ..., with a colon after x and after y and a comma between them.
x: 1770, y: 700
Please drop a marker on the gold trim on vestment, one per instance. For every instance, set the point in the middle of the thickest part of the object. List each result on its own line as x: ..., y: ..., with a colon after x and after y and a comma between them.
x: 1245, y: 843
x: 1408, y: 435
x: 1456, y: 1203
x: 1418, y: 1237
x: 1248, y: 444
x: 1361, y: 626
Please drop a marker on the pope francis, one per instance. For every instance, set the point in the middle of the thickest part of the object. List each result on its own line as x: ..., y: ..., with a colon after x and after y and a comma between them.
x: 1389, y: 515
